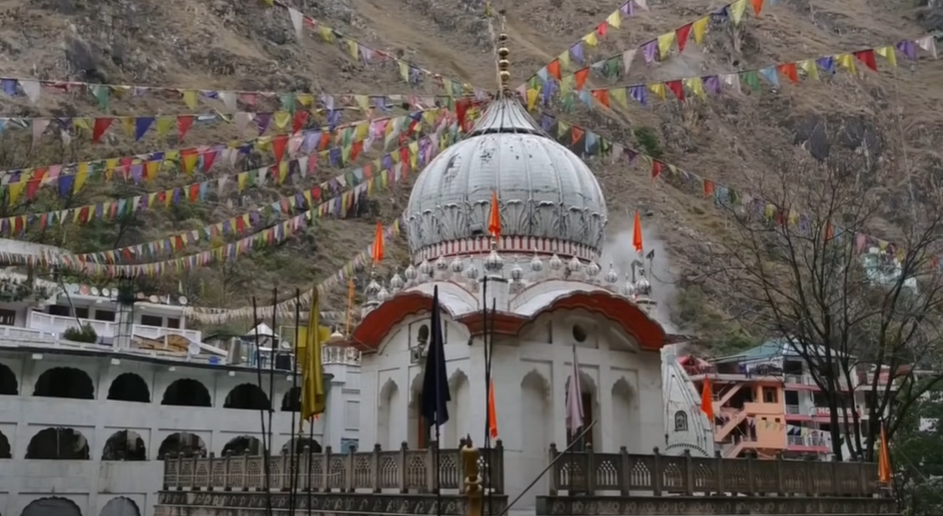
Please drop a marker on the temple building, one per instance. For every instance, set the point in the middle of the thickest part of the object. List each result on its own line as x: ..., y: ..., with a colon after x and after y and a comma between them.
x: 550, y: 293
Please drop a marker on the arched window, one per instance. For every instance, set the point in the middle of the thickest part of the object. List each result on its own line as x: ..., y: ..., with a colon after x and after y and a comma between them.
x: 187, y: 393
x: 182, y: 444
x: 124, y: 445
x: 52, y: 506
x: 8, y: 384
x: 6, y: 452
x: 291, y: 402
x: 58, y: 444
x: 65, y: 382
x: 243, y: 444
x: 247, y: 396
x: 129, y: 387
x: 681, y: 421
x: 120, y: 506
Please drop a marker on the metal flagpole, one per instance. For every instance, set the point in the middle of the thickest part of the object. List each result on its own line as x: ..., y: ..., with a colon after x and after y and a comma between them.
x: 293, y: 444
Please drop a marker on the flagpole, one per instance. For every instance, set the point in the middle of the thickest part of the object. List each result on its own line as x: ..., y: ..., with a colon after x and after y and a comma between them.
x: 293, y: 444
x: 258, y: 370
x: 490, y: 488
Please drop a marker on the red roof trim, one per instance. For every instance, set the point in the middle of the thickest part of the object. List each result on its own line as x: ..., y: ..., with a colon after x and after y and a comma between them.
x: 627, y: 315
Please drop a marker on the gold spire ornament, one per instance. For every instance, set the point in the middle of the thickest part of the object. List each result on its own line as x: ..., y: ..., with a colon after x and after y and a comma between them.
x: 504, y: 65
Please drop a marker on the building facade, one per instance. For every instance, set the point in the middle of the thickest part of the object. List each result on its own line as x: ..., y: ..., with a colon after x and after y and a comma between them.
x: 549, y: 294
x: 85, y: 426
x: 766, y: 401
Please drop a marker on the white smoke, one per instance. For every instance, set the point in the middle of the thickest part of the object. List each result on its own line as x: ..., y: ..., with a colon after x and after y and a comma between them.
x: 619, y: 252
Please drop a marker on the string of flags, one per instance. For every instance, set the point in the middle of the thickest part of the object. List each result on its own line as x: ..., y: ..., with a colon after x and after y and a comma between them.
x: 344, y: 189
x: 409, y: 72
x: 137, y: 127
x: 287, y: 308
x: 229, y: 101
x: 72, y: 177
x: 658, y: 49
x: 577, y: 52
x: 339, y: 206
x: 299, y: 165
x: 716, y: 84
x: 588, y: 143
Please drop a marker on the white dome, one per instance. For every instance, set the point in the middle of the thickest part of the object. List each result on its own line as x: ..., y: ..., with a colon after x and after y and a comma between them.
x: 547, y: 195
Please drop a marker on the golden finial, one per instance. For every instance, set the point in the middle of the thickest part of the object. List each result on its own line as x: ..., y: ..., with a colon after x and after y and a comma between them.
x: 504, y: 65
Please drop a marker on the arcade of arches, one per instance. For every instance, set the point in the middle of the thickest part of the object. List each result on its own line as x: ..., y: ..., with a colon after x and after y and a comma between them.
x: 61, y: 443
x: 57, y: 506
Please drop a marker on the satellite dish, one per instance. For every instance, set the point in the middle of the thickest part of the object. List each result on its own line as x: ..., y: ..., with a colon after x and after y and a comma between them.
x: 285, y: 344
x: 83, y: 290
x: 106, y: 292
x: 72, y: 288
x: 183, y: 300
x: 165, y: 300
x: 153, y: 299
x: 141, y: 296
x: 193, y: 349
x: 94, y: 291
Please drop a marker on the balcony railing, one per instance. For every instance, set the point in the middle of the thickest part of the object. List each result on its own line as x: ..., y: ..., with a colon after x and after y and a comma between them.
x: 808, y: 440
x: 59, y: 324
x: 688, y: 475
x: 375, y: 471
x: 793, y: 409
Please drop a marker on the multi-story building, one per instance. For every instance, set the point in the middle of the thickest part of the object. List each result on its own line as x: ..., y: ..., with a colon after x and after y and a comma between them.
x: 766, y: 401
x: 84, y: 426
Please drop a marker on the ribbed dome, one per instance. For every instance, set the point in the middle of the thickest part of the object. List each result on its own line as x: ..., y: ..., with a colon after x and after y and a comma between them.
x: 546, y: 193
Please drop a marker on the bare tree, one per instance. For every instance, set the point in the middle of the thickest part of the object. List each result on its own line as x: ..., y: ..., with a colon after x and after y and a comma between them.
x: 864, y: 314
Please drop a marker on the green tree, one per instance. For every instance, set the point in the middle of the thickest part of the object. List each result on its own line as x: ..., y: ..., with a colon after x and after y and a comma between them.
x: 917, y: 457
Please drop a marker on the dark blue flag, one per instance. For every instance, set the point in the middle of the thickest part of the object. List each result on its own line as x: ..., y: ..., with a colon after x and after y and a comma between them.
x: 435, y: 383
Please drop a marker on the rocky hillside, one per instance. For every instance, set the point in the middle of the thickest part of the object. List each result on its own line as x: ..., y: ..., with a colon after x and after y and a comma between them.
x: 249, y: 45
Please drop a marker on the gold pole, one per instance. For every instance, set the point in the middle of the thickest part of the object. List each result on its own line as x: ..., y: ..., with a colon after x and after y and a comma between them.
x: 472, y: 480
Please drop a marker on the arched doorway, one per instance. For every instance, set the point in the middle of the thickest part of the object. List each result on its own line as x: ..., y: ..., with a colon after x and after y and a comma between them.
x: 120, y: 506
x: 5, y: 451
x: 291, y: 402
x: 52, y: 506
x: 389, y: 416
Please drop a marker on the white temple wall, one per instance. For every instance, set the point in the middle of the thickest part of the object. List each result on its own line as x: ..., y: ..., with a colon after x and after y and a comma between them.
x: 94, y: 482
x: 530, y: 375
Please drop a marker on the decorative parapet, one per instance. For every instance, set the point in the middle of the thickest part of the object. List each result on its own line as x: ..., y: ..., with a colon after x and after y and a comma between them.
x: 686, y: 475
x: 377, y: 471
x: 344, y: 355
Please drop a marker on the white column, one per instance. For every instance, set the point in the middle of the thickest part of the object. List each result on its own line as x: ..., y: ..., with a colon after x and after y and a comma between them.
x: 561, y: 371
x: 610, y: 435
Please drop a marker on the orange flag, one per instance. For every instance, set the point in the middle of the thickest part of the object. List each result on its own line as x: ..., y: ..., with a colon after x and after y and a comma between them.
x: 884, y: 459
x: 637, y: 233
x: 377, y: 253
x: 492, y: 413
x: 494, y: 221
x: 707, y: 401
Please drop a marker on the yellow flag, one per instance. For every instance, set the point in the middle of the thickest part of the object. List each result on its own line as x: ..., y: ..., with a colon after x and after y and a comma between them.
x: 313, y: 400
x: 810, y: 68
x: 615, y: 19
x: 664, y: 43
x: 532, y: 96
x: 846, y: 61
x: 700, y: 28
x: 590, y: 39
x: 695, y: 86
x: 736, y: 11
x: 658, y: 89
x: 887, y: 53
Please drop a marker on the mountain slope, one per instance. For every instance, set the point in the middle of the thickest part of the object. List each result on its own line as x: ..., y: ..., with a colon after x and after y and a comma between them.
x: 224, y: 44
